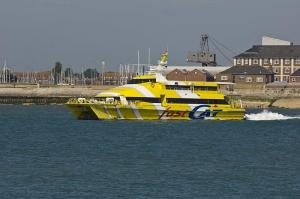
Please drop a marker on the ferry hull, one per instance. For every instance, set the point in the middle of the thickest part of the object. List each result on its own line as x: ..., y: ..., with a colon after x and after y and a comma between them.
x: 82, y: 111
x: 153, y: 97
x: 201, y: 112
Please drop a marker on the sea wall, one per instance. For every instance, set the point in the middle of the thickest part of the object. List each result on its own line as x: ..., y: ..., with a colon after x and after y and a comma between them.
x: 290, y: 103
x: 278, y: 95
x: 46, y: 95
x: 262, y: 102
x: 252, y: 102
x: 53, y: 91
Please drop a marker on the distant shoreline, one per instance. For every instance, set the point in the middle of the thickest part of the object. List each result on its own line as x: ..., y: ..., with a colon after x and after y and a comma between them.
x: 60, y: 95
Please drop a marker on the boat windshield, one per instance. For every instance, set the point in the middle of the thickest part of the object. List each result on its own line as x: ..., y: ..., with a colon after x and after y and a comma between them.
x: 108, y: 99
x: 196, y: 88
x: 139, y: 81
x: 195, y: 101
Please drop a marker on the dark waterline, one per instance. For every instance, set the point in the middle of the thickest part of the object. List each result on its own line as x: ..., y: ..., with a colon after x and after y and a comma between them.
x: 46, y: 153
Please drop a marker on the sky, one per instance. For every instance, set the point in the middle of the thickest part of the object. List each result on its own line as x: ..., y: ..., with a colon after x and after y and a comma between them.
x: 34, y: 34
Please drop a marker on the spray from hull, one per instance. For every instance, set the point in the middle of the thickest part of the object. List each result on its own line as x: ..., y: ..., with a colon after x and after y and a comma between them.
x: 268, y: 115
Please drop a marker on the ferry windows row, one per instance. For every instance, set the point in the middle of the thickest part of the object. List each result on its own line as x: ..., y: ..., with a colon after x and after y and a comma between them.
x: 205, y: 88
x: 139, y: 81
x: 195, y: 101
x: 144, y: 99
x: 105, y: 98
x: 108, y: 100
x: 195, y: 88
x: 178, y: 100
x: 177, y: 87
x: 169, y: 100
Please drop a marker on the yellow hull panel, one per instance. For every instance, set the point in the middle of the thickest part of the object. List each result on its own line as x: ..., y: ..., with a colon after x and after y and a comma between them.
x: 201, y: 112
x: 82, y: 111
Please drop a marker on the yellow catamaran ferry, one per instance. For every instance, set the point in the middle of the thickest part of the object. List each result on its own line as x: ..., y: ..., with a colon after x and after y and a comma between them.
x: 153, y: 97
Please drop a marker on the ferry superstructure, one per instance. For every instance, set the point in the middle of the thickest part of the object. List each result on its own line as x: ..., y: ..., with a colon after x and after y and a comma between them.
x: 153, y: 97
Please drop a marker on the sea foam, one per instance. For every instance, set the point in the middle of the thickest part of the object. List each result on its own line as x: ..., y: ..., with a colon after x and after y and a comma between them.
x: 268, y: 115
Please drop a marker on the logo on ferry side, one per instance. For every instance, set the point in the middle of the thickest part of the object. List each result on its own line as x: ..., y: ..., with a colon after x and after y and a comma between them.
x: 169, y: 113
x: 198, y: 113
x: 201, y: 112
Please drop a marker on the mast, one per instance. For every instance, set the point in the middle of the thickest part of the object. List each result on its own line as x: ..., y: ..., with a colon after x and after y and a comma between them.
x: 4, y: 68
x: 138, y: 66
x: 103, y: 68
x: 149, y: 56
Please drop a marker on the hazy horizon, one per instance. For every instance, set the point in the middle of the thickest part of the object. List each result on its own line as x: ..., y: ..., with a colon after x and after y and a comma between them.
x: 37, y: 33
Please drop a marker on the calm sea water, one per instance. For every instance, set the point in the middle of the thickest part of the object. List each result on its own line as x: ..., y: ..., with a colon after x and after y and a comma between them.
x: 46, y: 153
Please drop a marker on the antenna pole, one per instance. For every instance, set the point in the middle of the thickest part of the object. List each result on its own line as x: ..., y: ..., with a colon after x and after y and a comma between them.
x: 103, y: 67
x: 5, y: 72
x: 149, y: 56
x: 138, y: 66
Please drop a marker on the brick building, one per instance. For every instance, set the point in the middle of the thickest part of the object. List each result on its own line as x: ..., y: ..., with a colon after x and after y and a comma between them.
x: 248, y: 74
x: 192, y: 75
x: 33, y: 77
x: 282, y: 57
x: 295, y: 77
x: 110, y: 78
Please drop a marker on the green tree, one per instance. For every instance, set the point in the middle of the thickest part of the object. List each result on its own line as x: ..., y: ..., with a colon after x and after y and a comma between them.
x: 90, y: 73
x: 56, y: 71
x: 68, y: 75
x: 68, y: 72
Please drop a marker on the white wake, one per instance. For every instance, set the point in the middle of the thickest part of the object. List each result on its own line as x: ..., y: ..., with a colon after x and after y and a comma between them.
x: 268, y: 115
